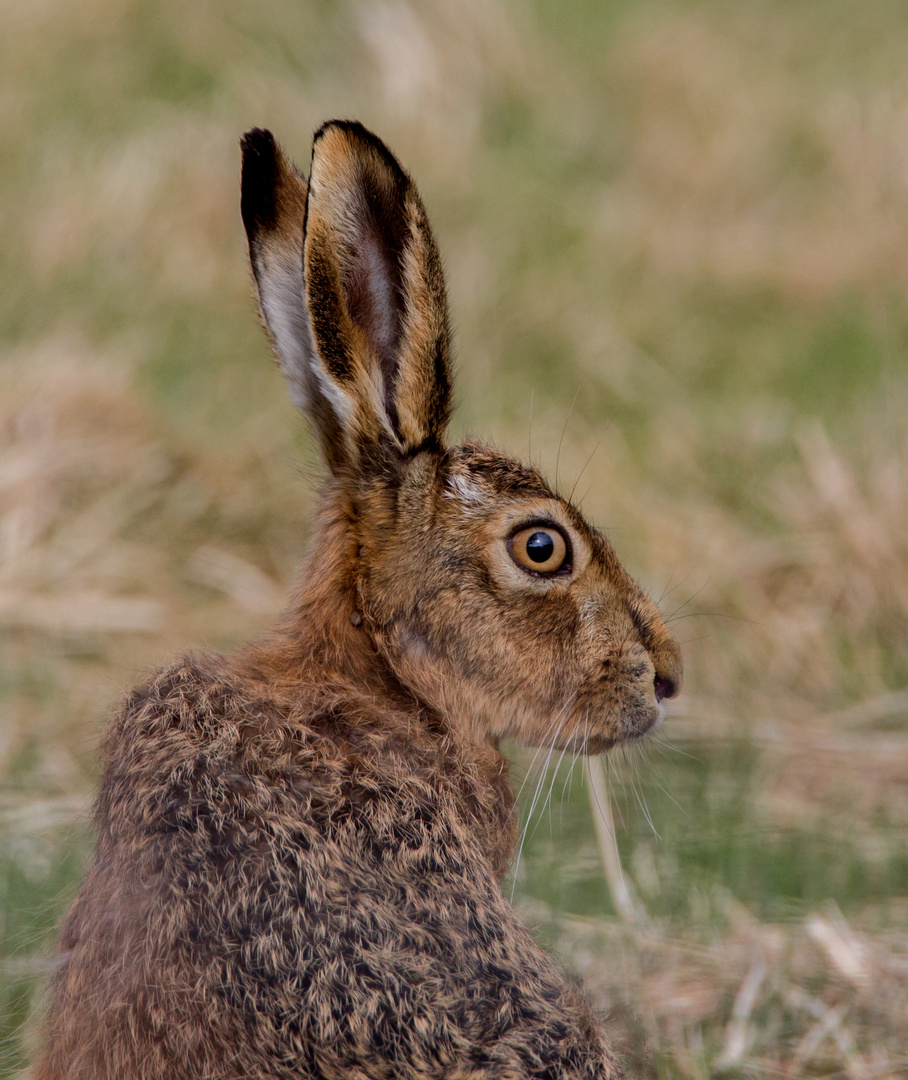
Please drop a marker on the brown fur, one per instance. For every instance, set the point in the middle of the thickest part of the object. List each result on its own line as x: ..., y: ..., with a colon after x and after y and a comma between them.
x: 300, y: 845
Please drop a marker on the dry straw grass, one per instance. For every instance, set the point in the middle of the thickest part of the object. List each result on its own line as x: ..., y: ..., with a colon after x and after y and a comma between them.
x: 813, y: 999
x: 602, y: 210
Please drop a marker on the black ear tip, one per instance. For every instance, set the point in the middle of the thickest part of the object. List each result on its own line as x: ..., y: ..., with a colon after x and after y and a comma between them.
x: 260, y: 173
x: 258, y: 142
x: 358, y: 134
x: 352, y: 127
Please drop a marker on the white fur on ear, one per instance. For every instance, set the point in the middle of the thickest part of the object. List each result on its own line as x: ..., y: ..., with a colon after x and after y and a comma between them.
x: 283, y: 307
x: 283, y: 304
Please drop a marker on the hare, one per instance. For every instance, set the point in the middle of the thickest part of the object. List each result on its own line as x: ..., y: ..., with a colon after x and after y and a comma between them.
x: 300, y: 846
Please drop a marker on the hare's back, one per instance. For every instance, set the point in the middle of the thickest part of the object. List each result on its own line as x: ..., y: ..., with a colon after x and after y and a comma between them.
x: 270, y: 883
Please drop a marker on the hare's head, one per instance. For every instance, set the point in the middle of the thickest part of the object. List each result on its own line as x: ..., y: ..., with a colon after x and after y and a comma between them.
x: 487, y: 594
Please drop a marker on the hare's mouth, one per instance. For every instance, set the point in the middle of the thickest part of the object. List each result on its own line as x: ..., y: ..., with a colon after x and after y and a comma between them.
x: 644, y: 722
x: 601, y: 730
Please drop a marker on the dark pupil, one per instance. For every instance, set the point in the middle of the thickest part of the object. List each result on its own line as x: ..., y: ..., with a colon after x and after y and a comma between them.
x: 540, y: 547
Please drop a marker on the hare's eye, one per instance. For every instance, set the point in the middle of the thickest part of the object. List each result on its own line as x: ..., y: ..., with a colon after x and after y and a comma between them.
x: 540, y: 548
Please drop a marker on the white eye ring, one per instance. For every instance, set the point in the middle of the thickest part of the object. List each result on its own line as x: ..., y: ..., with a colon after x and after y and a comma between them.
x: 540, y: 549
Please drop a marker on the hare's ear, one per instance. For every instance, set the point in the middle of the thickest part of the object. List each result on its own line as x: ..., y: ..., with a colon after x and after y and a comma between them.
x: 375, y: 294
x: 273, y: 206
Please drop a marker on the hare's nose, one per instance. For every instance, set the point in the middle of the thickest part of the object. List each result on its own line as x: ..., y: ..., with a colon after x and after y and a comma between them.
x: 664, y: 687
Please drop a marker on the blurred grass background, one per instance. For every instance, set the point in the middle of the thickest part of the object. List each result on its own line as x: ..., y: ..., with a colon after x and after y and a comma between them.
x: 676, y: 235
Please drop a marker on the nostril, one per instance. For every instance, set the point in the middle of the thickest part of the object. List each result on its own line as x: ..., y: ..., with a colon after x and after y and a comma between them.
x: 663, y: 687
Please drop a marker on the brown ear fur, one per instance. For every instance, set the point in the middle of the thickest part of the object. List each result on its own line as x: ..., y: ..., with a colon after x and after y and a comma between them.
x: 375, y: 294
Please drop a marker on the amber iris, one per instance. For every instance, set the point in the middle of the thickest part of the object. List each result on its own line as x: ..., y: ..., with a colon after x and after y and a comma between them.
x: 541, y: 549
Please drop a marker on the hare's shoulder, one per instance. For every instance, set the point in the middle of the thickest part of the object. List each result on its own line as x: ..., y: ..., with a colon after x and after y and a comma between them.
x: 198, y: 743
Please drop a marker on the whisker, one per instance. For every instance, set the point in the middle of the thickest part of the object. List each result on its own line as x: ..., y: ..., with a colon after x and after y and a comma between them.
x: 627, y: 809
x: 578, y: 754
x: 556, y: 724
x: 582, y: 499
x: 539, y: 787
x: 525, y: 831
x: 543, y: 742
x: 656, y: 775
x: 548, y: 800
x: 567, y: 420
x: 709, y: 615
x: 699, y: 637
x: 689, y: 600
x: 530, y: 427
x: 582, y: 471
x: 641, y: 802
x: 669, y: 588
x: 661, y: 743
x: 632, y: 757
x: 668, y: 794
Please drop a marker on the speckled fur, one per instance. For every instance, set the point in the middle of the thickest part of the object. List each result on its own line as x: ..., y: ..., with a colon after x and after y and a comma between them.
x: 300, y: 846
